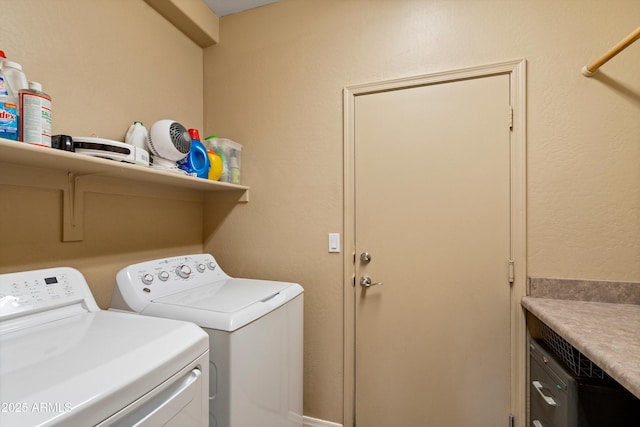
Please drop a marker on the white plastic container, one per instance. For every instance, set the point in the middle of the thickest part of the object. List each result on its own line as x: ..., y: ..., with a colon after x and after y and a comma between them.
x: 137, y: 135
x: 16, y: 78
x: 233, y: 153
x: 35, y: 115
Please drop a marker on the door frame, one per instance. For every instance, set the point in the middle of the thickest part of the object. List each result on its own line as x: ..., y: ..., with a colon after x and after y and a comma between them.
x: 516, y: 70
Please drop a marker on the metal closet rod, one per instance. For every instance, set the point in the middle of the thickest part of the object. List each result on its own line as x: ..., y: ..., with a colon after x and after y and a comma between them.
x: 591, y: 69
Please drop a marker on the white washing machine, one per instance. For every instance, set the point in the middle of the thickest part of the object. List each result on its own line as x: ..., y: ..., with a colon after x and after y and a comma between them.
x: 63, y: 361
x: 255, y: 332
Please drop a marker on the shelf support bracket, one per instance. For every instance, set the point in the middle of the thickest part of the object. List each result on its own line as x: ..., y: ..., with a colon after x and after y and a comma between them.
x: 73, y: 209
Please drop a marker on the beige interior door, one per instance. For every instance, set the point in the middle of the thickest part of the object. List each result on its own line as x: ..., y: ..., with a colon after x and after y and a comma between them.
x: 432, y: 210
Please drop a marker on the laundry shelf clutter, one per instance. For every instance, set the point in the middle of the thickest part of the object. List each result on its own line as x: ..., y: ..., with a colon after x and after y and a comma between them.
x: 22, y: 154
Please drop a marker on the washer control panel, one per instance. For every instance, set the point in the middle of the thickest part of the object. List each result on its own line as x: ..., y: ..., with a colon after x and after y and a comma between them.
x: 141, y: 283
x: 34, y: 291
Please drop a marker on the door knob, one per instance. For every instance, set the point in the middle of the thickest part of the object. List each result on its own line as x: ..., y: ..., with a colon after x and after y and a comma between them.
x: 366, y: 282
x: 365, y: 257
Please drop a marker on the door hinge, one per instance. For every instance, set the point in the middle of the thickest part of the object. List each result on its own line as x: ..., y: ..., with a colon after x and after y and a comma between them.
x: 512, y: 274
x: 510, y: 117
x: 512, y: 421
x: 354, y: 280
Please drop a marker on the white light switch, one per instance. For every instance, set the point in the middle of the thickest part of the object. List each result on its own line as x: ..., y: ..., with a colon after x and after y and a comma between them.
x: 334, y: 242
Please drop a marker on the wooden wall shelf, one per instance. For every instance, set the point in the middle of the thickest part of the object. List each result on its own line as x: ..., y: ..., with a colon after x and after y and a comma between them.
x: 74, y: 174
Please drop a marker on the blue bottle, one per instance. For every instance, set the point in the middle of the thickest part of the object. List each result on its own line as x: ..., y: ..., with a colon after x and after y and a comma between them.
x: 197, y: 161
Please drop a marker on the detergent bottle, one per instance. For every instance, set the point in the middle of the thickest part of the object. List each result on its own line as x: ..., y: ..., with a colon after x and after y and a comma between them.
x: 13, y: 81
x: 197, y: 161
x: 215, y: 171
x: 9, y: 121
x: 35, y: 115
x: 213, y: 144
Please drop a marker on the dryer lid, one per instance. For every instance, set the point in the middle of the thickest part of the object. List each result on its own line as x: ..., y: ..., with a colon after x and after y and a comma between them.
x: 90, y: 366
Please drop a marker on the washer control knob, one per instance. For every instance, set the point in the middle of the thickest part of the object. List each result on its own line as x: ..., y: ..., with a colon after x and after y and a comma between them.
x: 147, y: 279
x: 211, y: 265
x: 200, y: 268
x: 183, y: 271
x: 163, y: 275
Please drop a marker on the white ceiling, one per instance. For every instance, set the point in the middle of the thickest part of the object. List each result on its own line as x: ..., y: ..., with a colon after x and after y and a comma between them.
x: 227, y: 7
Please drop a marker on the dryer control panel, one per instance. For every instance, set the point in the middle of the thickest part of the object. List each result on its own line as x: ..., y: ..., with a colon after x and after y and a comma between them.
x: 36, y: 291
x: 141, y: 283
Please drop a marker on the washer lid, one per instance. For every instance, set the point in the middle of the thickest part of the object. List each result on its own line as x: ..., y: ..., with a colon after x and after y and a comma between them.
x: 226, y: 296
x: 225, y: 305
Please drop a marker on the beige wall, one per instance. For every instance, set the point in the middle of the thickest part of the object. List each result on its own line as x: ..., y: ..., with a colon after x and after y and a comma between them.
x: 274, y: 84
x: 105, y: 63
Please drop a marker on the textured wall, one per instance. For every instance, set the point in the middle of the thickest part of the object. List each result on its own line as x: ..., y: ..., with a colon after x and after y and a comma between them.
x: 275, y: 82
x: 105, y: 63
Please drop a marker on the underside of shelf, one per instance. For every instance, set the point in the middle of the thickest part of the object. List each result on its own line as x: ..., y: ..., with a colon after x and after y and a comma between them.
x: 76, y: 174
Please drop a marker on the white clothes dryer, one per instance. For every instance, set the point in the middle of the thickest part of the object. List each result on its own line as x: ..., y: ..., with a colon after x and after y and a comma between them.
x: 255, y: 330
x: 64, y: 361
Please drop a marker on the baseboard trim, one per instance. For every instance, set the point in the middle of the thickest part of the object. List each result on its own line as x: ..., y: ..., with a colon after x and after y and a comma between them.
x: 314, y: 422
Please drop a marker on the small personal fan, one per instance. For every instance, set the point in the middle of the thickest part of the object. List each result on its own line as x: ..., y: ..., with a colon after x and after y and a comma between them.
x: 169, y: 142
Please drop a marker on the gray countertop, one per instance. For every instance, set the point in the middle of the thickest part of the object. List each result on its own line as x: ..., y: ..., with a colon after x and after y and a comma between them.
x: 607, y: 333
